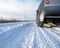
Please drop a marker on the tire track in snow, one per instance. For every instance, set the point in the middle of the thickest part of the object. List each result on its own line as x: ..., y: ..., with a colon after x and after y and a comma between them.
x: 39, y: 41
x: 24, y: 42
x: 55, y: 31
x: 42, y: 43
x: 32, y: 37
x: 7, y: 24
x: 52, y: 38
x: 7, y: 28
x: 28, y: 39
x: 53, y: 34
x: 10, y: 36
x: 51, y: 44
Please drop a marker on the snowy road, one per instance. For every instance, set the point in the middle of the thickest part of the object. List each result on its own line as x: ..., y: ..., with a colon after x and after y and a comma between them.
x: 27, y: 35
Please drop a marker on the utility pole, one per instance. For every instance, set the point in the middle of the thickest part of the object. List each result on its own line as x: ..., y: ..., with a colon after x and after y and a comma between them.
x: 24, y: 17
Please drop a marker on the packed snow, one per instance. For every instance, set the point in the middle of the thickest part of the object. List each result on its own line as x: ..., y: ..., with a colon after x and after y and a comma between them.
x: 28, y: 35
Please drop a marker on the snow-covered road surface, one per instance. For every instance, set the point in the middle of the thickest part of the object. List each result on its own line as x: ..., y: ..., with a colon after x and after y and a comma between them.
x: 28, y: 35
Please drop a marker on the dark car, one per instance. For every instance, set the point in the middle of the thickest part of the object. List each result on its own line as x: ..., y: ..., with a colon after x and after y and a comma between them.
x: 51, y: 12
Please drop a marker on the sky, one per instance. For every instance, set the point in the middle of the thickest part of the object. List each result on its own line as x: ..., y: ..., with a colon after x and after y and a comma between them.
x: 19, y: 9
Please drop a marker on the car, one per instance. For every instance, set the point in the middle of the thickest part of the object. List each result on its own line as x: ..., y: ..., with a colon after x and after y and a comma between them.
x: 48, y: 13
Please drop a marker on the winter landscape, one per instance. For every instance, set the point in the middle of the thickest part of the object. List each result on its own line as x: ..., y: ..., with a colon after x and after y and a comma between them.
x: 19, y: 21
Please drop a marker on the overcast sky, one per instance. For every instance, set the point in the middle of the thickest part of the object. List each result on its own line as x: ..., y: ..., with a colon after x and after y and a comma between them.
x: 20, y: 9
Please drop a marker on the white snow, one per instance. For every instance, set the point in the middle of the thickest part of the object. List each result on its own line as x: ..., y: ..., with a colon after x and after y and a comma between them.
x: 28, y: 35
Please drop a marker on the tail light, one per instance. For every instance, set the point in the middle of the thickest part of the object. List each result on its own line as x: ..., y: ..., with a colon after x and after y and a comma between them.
x: 47, y: 1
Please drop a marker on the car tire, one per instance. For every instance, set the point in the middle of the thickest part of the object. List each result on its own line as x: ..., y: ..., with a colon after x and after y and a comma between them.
x: 40, y: 24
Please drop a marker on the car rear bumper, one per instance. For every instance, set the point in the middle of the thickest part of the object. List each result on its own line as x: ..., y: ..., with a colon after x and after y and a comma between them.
x: 52, y: 16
